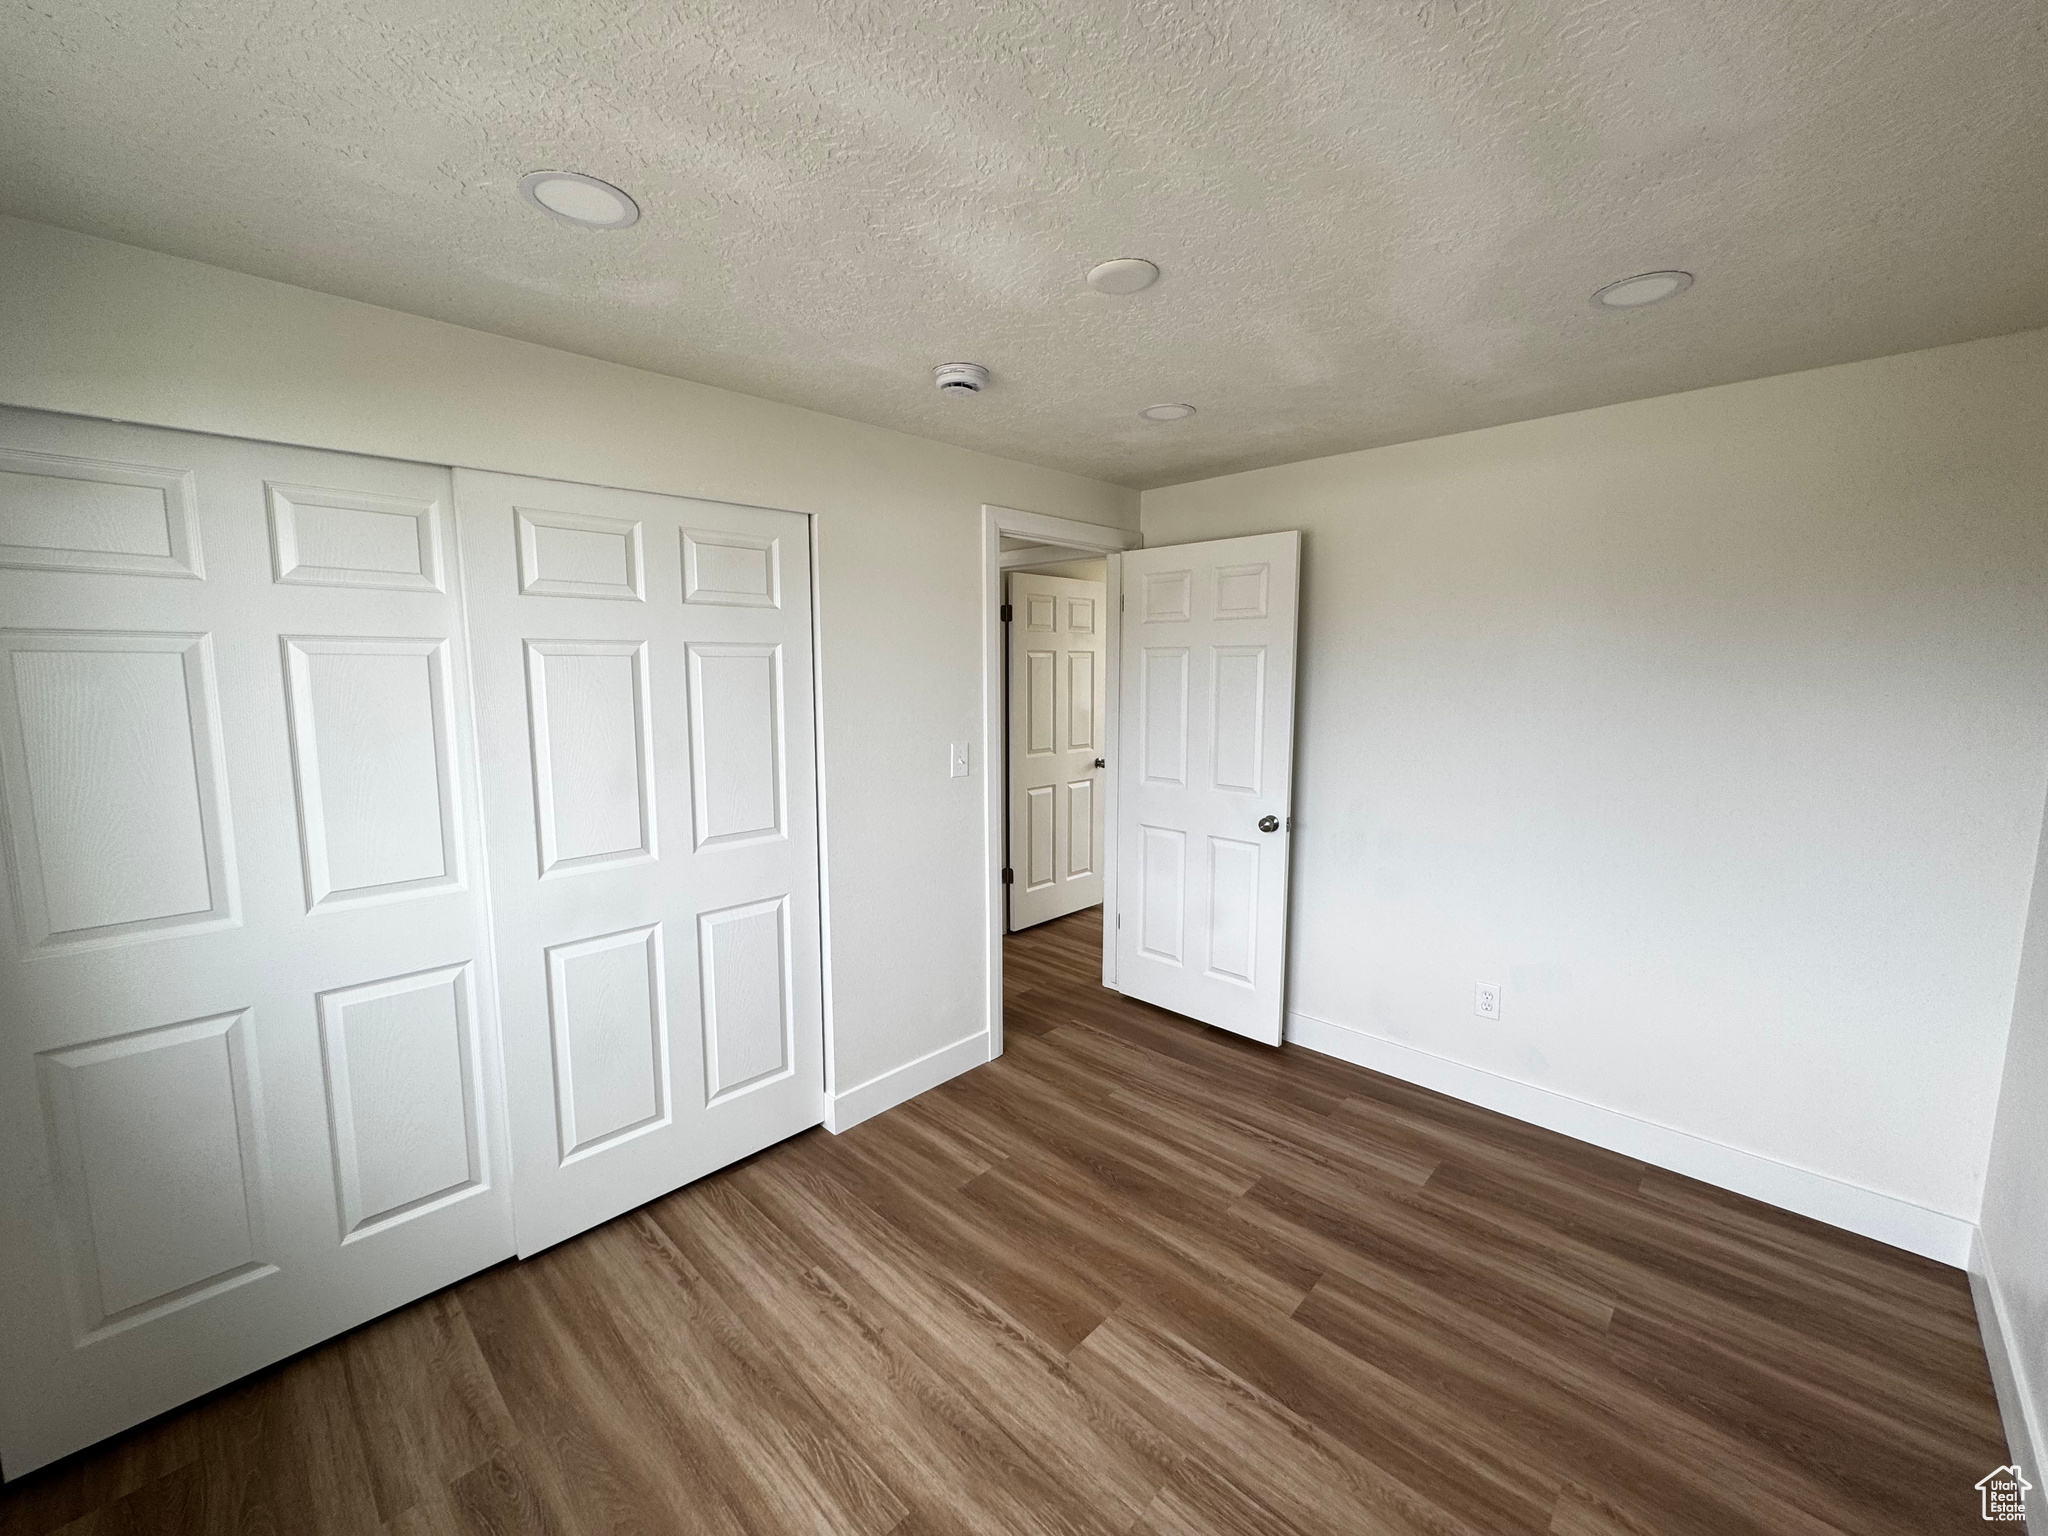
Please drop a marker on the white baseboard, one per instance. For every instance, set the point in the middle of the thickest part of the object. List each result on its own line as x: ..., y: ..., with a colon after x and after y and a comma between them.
x: 2025, y: 1416
x: 1888, y: 1219
x: 846, y: 1110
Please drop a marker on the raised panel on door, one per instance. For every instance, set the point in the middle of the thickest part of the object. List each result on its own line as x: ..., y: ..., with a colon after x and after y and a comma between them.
x: 1162, y: 894
x: 564, y: 554
x: 607, y: 1011
x: 1237, y: 714
x: 67, y: 512
x: 1207, y: 705
x: 589, y: 715
x: 1163, y: 714
x: 249, y: 1091
x: 645, y: 706
x: 1082, y: 821
x: 403, y: 1099
x: 736, y: 747
x: 1233, y: 915
x: 728, y: 568
x: 1040, y: 840
x: 372, y: 738
x: 1165, y: 597
x: 744, y: 960
x: 1040, y: 733
x: 1082, y: 704
x: 113, y: 783
x: 1241, y: 590
x: 156, y: 1166
x: 334, y: 538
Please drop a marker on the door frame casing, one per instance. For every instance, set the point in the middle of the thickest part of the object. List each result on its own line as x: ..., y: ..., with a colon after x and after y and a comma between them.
x: 1088, y: 538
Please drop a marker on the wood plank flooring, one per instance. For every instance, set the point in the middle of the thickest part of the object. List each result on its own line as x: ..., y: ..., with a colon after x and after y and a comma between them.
x: 1134, y: 1277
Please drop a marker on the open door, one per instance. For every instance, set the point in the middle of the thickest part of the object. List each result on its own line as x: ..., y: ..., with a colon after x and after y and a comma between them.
x: 1206, y: 781
x: 1057, y: 648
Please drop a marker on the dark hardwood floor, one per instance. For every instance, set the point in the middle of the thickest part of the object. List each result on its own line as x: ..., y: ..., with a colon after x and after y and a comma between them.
x: 1136, y: 1276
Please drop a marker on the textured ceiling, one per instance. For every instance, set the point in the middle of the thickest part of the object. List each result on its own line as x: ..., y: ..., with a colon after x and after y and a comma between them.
x: 1376, y: 221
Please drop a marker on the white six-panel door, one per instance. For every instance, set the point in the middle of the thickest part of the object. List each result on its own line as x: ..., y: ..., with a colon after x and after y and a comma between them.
x: 248, y: 1030
x: 1057, y: 646
x: 644, y: 676
x: 1206, y: 728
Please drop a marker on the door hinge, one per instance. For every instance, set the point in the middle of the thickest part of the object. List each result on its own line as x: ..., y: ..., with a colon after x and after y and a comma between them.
x: 1006, y: 613
x: 1119, y: 919
x: 1009, y: 877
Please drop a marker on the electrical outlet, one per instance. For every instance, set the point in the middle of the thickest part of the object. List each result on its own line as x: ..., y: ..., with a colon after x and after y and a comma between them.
x: 1486, y: 1000
x: 959, y: 759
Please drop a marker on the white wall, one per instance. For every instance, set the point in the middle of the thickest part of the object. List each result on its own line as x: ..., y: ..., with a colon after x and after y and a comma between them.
x: 101, y: 329
x: 1714, y: 727
x: 2013, y: 1252
x: 1076, y: 570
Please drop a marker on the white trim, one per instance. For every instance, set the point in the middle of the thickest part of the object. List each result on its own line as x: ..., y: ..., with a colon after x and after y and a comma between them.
x: 497, y: 1092
x: 1044, y: 554
x: 1112, y: 682
x: 824, y: 843
x: 2026, y: 1421
x: 1064, y: 531
x: 1088, y: 537
x: 1886, y: 1218
x: 844, y: 1111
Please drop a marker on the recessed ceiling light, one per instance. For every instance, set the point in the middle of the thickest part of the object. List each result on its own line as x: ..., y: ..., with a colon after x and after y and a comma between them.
x: 1167, y: 412
x: 1643, y: 288
x: 580, y: 199
x: 1127, y: 274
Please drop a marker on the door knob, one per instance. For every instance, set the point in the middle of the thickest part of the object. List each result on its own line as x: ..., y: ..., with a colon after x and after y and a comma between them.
x: 1102, y: 762
x: 1269, y: 823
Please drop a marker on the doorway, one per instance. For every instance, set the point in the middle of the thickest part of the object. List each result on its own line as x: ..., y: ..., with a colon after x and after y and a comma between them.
x: 1068, y: 576
x: 1199, y: 651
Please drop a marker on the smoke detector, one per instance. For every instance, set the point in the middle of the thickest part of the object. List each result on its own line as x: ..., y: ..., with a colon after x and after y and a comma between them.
x: 960, y: 378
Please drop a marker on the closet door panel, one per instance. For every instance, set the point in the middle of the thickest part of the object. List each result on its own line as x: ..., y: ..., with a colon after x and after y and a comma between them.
x: 249, y: 1080
x: 644, y: 671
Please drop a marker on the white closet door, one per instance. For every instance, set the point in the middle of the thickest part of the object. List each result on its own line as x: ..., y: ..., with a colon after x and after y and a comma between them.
x: 644, y: 678
x: 248, y: 1053
x: 1206, y: 725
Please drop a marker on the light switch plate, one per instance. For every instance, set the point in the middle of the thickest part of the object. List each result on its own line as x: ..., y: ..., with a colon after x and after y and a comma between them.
x: 959, y: 759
